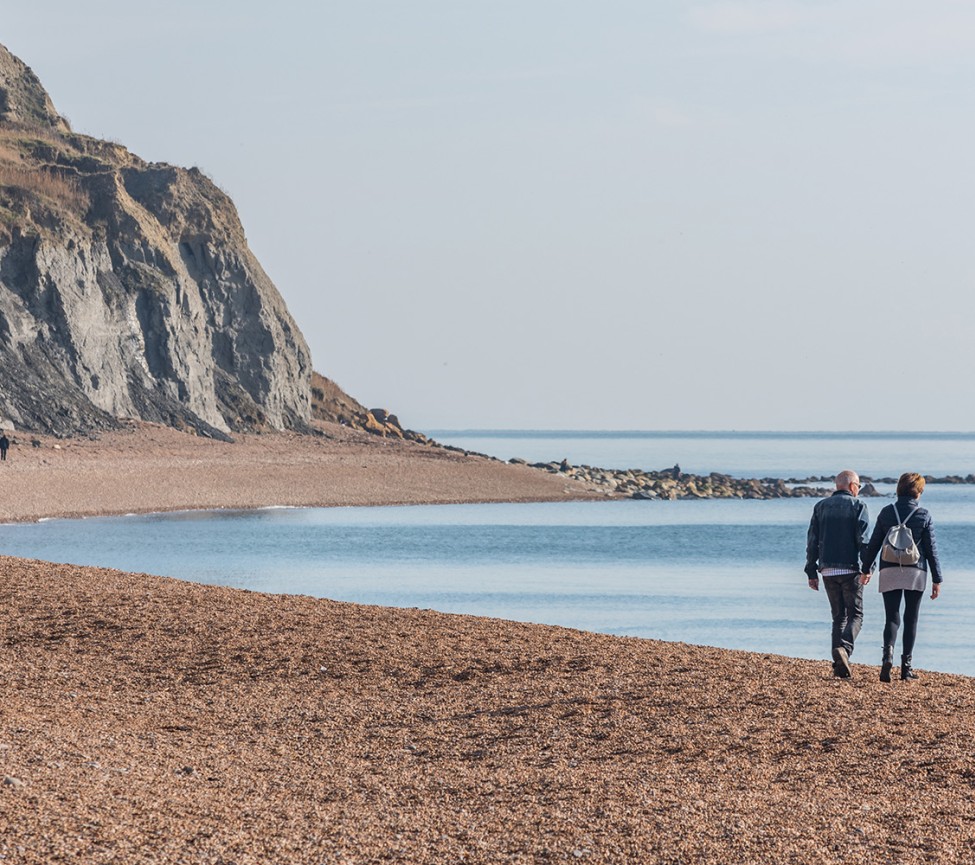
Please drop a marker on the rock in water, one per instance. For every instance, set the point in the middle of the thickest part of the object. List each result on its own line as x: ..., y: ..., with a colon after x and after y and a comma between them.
x: 127, y: 289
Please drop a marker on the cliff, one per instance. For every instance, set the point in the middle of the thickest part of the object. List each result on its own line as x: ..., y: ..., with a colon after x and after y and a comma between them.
x: 127, y: 289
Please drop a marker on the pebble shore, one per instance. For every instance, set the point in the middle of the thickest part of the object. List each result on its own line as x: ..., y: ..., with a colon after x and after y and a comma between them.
x: 148, y: 467
x: 148, y: 720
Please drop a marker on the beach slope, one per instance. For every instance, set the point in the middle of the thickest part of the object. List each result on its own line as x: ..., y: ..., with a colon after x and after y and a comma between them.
x: 148, y: 720
x: 149, y: 467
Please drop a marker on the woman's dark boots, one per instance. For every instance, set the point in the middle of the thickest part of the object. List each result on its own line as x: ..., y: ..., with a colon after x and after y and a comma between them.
x: 906, y: 671
x: 887, y: 663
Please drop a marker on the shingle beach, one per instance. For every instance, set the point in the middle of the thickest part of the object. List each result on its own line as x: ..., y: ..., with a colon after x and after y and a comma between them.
x: 149, y: 720
x: 149, y: 467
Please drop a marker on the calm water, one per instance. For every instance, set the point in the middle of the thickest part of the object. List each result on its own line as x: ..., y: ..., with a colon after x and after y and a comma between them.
x: 760, y: 454
x: 723, y: 573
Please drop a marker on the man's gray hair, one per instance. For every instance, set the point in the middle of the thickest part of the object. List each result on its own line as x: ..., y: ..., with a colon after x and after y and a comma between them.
x: 845, y: 478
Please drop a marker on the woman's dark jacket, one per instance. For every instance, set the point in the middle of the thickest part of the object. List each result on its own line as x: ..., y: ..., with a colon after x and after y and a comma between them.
x: 922, y: 528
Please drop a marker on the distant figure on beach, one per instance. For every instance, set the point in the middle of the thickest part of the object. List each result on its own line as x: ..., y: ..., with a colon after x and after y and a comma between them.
x: 835, y: 547
x: 900, y: 577
x: 4, y: 446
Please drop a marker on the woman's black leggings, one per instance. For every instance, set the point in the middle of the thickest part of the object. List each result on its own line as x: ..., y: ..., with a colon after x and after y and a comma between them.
x: 912, y: 606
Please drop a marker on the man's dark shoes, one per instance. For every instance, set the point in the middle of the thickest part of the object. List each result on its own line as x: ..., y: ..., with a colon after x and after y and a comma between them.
x: 841, y: 663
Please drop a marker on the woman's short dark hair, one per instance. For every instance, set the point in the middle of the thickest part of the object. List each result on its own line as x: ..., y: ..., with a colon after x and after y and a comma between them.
x: 910, y: 484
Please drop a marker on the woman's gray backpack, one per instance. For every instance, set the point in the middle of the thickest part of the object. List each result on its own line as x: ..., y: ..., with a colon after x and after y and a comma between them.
x: 899, y: 545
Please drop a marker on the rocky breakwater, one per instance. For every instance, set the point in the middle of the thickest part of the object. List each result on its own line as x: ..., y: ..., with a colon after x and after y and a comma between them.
x: 930, y: 479
x: 670, y: 484
x: 127, y: 289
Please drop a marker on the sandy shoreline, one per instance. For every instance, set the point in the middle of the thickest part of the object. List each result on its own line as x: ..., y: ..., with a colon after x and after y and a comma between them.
x: 153, y: 468
x: 149, y: 720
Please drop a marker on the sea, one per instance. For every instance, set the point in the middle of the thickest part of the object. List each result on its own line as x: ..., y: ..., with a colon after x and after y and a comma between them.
x: 722, y: 572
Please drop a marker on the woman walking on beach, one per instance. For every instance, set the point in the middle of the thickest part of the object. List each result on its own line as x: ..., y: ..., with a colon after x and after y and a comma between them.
x: 898, y: 581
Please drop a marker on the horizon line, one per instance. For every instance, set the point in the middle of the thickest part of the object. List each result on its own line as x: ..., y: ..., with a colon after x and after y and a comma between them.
x: 636, y: 431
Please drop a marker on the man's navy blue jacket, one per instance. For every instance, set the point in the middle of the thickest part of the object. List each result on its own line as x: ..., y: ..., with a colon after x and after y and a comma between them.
x: 837, y: 534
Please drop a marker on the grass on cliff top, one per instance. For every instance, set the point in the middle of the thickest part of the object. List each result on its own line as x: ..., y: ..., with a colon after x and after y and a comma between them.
x: 27, y: 143
x: 63, y: 191
x: 20, y: 173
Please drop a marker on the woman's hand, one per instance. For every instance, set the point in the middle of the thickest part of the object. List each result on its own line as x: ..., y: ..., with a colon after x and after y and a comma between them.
x: 935, y: 590
x: 864, y: 579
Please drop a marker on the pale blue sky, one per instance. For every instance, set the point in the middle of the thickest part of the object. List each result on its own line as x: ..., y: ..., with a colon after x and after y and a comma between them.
x: 656, y: 215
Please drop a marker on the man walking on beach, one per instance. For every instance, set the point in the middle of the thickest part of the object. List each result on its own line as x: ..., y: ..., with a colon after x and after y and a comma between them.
x: 835, y: 548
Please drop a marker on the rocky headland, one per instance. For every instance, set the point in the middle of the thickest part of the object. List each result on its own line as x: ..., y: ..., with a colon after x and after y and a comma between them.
x: 127, y: 289
x: 128, y: 292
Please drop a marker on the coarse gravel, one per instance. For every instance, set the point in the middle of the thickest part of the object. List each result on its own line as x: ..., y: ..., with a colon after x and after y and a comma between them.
x: 148, y: 467
x: 149, y: 720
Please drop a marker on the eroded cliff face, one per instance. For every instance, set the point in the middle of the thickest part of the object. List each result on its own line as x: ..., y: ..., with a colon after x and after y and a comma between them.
x: 127, y: 289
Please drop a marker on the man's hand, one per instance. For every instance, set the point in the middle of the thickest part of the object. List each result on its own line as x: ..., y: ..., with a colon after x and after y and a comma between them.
x: 864, y: 579
x: 935, y: 590
x: 814, y: 583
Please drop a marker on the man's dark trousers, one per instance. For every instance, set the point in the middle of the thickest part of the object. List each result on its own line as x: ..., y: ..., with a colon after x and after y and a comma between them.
x: 845, y: 595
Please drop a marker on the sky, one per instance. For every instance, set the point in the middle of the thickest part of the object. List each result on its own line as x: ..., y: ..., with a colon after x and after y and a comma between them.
x: 545, y: 214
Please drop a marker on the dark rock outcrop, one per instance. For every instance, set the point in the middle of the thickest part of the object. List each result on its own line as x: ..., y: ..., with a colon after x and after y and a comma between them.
x: 332, y: 404
x: 674, y: 484
x: 127, y: 289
